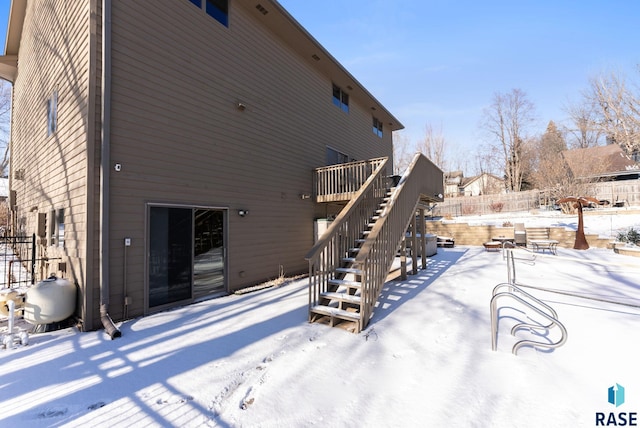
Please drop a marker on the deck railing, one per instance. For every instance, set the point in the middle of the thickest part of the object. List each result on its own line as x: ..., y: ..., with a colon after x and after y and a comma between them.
x: 341, y: 182
x: 379, y: 251
x: 326, y: 255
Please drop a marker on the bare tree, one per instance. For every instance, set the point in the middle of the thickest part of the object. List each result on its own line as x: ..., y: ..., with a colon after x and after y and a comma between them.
x: 5, y: 120
x: 434, y: 146
x: 506, y: 120
x: 402, y: 153
x: 549, y: 168
x: 584, y: 130
x: 619, y: 103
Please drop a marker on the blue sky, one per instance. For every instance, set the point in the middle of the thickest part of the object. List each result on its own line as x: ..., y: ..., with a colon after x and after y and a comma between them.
x: 439, y: 62
x: 4, y: 19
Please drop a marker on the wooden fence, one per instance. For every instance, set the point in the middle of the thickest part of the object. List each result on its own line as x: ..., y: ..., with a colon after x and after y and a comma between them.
x: 625, y: 193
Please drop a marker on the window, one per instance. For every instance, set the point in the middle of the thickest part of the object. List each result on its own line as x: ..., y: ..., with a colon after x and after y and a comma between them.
x: 377, y: 127
x: 217, y: 9
x: 56, y: 231
x: 335, y: 157
x: 52, y: 114
x: 341, y: 98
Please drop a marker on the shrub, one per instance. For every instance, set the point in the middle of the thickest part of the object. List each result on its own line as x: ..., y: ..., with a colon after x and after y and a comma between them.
x: 496, y: 207
x: 630, y: 236
x: 468, y: 209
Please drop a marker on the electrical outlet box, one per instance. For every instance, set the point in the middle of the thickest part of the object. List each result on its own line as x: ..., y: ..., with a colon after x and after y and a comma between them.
x: 127, y: 242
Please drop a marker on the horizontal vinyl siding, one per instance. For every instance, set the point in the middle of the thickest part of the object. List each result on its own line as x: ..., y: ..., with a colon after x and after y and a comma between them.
x: 177, y: 78
x: 54, y: 55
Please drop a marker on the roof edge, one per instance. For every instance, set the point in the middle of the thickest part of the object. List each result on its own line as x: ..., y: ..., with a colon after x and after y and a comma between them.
x: 14, y: 26
x: 9, y: 61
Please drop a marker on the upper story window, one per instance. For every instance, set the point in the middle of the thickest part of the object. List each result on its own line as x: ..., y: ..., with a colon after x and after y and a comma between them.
x: 217, y: 9
x: 335, y: 157
x: 377, y: 127
x: 52, y: 114
x: 341, y: 98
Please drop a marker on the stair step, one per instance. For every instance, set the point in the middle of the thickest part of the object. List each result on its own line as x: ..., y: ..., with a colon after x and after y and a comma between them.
x: 360, y: 241
x: 348, y: 259
x: 354, y: 250
x: 349, y: 270
x: 336, y: 313
x: 349, y: 283
x: 343, y: 297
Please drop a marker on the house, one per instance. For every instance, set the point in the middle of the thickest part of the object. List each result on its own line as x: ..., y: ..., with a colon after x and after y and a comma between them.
x: 456, y: 184
x: 164, y: 152
x: 452, y: 183
x: 601, y: 163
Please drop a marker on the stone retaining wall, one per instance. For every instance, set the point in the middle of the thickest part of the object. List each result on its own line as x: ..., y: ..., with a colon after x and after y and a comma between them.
x: 464, y: 234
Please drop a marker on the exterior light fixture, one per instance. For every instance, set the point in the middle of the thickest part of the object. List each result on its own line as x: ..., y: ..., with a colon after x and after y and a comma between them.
x: 243, y: 213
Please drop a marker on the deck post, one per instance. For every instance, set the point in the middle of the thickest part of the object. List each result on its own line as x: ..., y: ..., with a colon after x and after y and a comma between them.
x: 403, y: 259
x: 423, y: 238
x: 414, y: 245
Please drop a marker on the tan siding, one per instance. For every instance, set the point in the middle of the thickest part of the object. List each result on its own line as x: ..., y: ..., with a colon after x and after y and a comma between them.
x: 53, y: 56
x: 177, y: 78
x: 180, y: 138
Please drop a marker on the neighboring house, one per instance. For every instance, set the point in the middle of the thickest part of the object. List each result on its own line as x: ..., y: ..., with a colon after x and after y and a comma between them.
x: 452, y: 182
x: 4, y: 189
x: 484, y: 184
x: 163, y: 151
x: 601, y: 163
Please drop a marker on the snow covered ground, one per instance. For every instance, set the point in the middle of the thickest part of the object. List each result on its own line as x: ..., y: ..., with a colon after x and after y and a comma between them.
x: 602, y: 221
x: 252, y: 360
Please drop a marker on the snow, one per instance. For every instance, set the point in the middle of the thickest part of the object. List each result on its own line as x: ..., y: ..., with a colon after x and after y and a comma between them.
x: 603, y: 222
x: 252, y: 360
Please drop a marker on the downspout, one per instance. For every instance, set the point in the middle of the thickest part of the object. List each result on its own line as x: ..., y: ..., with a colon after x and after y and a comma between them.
x: 105, y: 151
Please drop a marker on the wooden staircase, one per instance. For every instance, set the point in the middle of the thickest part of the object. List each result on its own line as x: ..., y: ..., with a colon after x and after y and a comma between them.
x: 343, y: 299
x: 349, y: 264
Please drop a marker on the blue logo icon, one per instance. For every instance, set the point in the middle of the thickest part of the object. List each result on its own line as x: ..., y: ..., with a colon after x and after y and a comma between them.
x: 616, y: 395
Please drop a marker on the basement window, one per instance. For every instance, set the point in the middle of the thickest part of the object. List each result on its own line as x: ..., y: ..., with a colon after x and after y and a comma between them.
x: 377, y: 127
x: 340, y: 98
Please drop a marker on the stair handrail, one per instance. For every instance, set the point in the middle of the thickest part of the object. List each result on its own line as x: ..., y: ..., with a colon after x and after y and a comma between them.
x: 326, y: 255
x: 378, y: 252
x: 526, y: 342
x: 341, y: 182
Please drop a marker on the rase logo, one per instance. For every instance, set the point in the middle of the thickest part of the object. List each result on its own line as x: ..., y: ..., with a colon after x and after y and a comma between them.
x: 616, y: 397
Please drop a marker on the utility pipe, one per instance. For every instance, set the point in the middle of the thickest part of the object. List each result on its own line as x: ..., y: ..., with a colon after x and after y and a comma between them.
x: 106, y: 320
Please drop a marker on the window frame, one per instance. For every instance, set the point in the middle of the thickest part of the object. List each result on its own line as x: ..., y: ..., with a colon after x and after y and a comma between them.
x: 52, y: 114
x: 340, y: 98
x: 216, y: 9
x: 378, y: 127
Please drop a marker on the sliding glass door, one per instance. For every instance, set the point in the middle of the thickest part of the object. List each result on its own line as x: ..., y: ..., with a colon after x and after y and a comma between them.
x: 208, y: 261
x: 186, y: 254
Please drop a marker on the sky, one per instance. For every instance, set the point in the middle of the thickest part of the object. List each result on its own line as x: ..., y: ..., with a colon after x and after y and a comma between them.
x: 440, y: 62
x: 425, y: 360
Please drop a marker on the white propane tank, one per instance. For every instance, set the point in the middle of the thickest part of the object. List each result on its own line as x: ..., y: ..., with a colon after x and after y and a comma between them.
x: 49, y: 301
